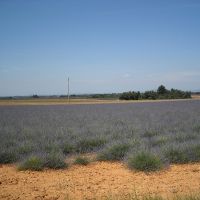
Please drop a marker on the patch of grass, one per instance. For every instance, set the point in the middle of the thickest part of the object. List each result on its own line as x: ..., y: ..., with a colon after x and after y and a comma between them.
x: 194, y: 153
x: 55, y: 161
x: 25, y: 148
x: 145, y: 162
x: 184, y: 137
x: 33, y: 163
x: 10, y: 143
x: 88, y: 145
x: 196, y: 128
x: 176, y: 156
x: 150, y: 133
x: 51, y: 147
x: 115, y: 152
x: 68, y: 148
x: 8, y: 156
x: 159, y: 141
x: 81, y: 161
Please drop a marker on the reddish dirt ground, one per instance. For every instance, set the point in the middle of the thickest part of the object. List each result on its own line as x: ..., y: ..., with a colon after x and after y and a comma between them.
x: 97, y: 180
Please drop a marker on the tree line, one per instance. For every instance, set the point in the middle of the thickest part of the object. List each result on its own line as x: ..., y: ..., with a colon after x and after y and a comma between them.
x: 160, y: 93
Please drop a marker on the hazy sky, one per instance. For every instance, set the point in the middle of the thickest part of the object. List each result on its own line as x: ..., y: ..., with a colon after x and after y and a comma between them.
x: 102, y: 45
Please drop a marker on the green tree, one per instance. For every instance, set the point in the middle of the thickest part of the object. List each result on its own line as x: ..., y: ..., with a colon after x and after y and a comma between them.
x: 161, y: 90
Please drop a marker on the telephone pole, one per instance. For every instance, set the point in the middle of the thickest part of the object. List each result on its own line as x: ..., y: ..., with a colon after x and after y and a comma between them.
x: 68, y: 90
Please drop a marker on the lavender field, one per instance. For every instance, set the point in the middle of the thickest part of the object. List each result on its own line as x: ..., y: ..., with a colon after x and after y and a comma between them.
x: 170, y: 131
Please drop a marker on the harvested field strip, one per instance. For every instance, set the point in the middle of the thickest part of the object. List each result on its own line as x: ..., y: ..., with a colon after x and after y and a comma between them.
x: 80, y: 101
x: 98, y: 180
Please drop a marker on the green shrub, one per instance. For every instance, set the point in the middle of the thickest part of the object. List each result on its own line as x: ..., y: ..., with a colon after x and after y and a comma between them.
x: 176, y: 156
x: 130, y: 96
x: 81, y: 161
x: 149, y: 95
x: 54, y: 161
x: 68, y: 148
x: 162, y: 90
x: 161, y: 93
x: 33, y: 163
x: 88, y: 145
x: 115, y: 152
x: 8, y: 156
x: 145, y: 162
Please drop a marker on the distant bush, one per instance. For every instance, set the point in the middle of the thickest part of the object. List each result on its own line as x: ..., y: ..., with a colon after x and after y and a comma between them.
x: 149, y: 95
x: 35, y: 96
x: 33, y: 163
x: 89, y: 144
x: 176, y: 156
x: 115, y: 152
x: 161, y: 93
x: 130, y: 96
x: 81, y: 161
x: 54, y: 161
x: 178, y: 94
x: 145, y: 162
x: 162, y: 90
x: 8, y: 156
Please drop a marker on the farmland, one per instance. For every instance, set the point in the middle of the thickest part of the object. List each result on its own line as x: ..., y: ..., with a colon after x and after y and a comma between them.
x: 141, y: 136
x: 169, y: 130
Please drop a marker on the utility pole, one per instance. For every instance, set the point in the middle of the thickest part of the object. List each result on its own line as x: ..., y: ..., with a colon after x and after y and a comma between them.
x: 68, y: 91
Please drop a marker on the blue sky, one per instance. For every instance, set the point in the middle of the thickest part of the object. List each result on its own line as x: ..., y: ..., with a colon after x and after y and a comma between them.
x: 102, y: 45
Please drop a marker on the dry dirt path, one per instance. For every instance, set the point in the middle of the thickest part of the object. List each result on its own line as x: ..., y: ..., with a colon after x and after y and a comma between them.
x: 98, y: 179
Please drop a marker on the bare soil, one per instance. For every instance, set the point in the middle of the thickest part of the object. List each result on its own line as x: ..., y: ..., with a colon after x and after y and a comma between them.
x: 196, y: 96
x: 97, y: 180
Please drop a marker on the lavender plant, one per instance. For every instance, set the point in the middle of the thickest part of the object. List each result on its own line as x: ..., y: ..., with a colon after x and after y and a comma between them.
x: 166, y: 129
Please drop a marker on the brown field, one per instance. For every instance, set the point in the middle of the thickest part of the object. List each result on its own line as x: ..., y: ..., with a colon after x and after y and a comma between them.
x: 52, y: 101
x: 196, y: 96
x: 98, y: 180
x: 78, y: 101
